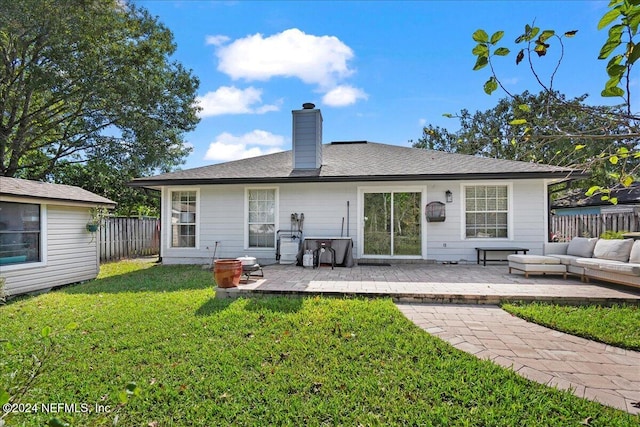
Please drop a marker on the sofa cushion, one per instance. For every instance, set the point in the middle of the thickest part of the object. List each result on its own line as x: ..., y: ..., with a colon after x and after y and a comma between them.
x: 634, y: 256
x: 593, y: 263
x: 533, y: 259
x: 565, y: 259
x: 615, y: 249
x: 582, y: 247
x: 622, y: 268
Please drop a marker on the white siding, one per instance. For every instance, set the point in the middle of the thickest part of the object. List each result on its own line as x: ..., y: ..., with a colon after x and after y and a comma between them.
x: 222, y: 218
x: 70, y: 255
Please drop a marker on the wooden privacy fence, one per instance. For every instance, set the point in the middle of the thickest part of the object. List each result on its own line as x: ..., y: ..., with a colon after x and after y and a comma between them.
x: 121, y: 237
x: 566, y: 227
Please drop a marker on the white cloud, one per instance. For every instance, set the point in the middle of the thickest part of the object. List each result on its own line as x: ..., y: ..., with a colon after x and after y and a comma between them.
x: 229, y: 147
x: 320, y: 60
x: 218, y: 40
x: 422, y: 122
x: 343, y: 95
x: 231, y: 100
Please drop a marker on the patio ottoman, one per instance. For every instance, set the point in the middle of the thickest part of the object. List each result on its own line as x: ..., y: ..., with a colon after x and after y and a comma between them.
x: 536, y: 264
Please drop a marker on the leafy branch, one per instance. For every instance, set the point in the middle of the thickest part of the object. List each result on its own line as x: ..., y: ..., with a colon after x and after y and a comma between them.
x: 618, y: 124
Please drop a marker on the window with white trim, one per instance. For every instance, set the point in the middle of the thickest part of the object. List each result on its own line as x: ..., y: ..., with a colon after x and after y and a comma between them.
x: 183, y: 219
x: 20, y: 233
x: 261, y: 217
x: 487, y: 211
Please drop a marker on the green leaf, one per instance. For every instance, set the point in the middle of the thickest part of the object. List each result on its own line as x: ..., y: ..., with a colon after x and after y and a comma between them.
x: 524, y: 107
x: 520, y: 56
x: 592, y: 190
x: 481, y: 36
x: 634, y: 53
x: 57, y: 422
x: 546, y: 34
x: 541, y: 49
x: 495, y: 37
x: 516, y: 122
x: 608, y: 18
x: 480, y: 50
x: 132, y: 388
x: 613, y: 160
x: 480, y: 63
x: 613, y: 200
x: 580, y: 147
x: 4, y: 396
x: 614, y: 68
x: 612, y: 92
x: 490, y: 85
x: 533, y: 34
x: 604, y: 198
x: 448, y: 115
x: 46, y: 331
x: 627, y: 181
x: 502, y: 51
x: 71, y: 326
x: 570, y: 33
x: 123, y: 397
x: 609, y: 46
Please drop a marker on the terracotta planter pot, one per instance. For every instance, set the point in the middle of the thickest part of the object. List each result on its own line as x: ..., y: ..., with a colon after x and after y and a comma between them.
x: 227, y: 272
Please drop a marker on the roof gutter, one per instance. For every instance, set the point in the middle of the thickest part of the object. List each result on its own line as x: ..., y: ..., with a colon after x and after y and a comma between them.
x: 154, y: 183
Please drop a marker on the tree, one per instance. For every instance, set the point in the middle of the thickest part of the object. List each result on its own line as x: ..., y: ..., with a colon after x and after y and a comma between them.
x: 491, y: 134
x: 88, y: 83
x: 621, y: 48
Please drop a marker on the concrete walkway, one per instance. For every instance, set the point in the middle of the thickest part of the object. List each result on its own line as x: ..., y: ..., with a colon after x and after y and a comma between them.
x: 591, y: 370
x: 476, y: 324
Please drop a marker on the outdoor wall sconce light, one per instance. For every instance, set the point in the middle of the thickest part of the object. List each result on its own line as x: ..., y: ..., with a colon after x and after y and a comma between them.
x: 448, y: 195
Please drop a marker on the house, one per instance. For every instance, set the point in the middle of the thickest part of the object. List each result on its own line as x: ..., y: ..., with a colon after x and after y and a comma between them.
x: 377, y: 194
x: 575, y: 202
x: 44, y: 240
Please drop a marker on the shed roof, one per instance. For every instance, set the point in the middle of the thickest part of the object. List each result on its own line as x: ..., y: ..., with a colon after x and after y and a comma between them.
x: 359, y: 161
x: 44, y: 190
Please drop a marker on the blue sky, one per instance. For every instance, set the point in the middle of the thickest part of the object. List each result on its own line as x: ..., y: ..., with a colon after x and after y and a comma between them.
x: 378, y: 70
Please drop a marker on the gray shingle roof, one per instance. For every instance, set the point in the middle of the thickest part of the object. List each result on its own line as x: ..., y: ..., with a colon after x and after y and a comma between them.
x: 44, y: 190
x: 359, y: 162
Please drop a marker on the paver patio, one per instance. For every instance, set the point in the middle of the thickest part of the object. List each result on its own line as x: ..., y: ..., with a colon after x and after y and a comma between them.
x: 459, y: 283
x: 474, y: 324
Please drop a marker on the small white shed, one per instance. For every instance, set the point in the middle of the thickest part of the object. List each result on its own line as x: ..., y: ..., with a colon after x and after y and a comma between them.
x: 44, y: 240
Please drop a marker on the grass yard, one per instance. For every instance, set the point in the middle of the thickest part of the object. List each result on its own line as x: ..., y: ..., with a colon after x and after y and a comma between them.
x: 264, y: 361
x: 617, y: 325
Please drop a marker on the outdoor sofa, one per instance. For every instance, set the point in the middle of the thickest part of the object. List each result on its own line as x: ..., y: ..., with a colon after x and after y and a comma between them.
x: 615, y: 260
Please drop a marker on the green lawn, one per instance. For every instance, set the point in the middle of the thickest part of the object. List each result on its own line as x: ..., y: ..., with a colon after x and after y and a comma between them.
x: 617, y: 325
x: 264, y: 361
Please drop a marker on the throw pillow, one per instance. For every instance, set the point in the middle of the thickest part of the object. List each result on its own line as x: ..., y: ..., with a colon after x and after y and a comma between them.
x: 614, y: 250
x: 582, y: 247
x: 634, y: 257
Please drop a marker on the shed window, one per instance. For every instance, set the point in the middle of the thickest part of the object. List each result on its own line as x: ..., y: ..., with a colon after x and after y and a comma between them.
x: 20, y: 229
x: 183, y: 219
x: 487, y: 211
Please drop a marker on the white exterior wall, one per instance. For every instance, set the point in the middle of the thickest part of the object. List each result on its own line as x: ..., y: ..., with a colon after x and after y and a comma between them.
x: 68, y: 253
x: 222, y: 217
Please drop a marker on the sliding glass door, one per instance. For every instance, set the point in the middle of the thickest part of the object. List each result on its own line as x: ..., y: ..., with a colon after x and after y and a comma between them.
x: 392, y: 224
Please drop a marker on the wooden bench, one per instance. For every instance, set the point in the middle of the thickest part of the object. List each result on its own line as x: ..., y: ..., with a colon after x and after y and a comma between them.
x: 484, y: 251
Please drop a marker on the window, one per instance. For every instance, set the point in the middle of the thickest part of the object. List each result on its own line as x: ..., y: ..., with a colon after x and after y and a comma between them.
x: 183, y: 219
x: 19, y: 233
x: 261, y: 218
x: 487, y: 211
